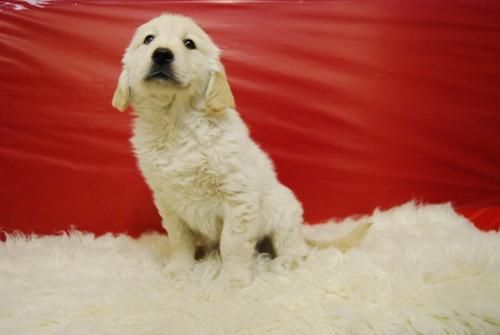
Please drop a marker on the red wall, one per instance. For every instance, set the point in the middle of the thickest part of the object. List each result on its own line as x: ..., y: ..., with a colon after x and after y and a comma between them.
x: 361, y: 105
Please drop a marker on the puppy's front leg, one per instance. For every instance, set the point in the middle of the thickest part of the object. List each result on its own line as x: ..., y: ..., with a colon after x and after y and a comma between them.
x: 181, y: 243
x: 238, y: 239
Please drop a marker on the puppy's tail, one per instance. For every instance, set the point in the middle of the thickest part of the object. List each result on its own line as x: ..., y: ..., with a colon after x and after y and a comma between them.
x: 344, y: 243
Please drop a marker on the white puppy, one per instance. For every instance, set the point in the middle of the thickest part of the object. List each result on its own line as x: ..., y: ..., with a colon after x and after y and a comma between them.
x: 210, y: 181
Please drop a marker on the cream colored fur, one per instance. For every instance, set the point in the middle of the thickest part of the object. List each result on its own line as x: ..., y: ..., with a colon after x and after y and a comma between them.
x: 420, y: 270
x: 211, y: 182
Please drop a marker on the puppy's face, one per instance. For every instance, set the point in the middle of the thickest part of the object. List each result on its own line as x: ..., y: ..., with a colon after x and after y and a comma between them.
x: 168, y: 55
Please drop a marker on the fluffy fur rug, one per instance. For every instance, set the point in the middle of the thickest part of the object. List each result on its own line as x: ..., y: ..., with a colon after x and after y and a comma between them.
x: 420, y: 270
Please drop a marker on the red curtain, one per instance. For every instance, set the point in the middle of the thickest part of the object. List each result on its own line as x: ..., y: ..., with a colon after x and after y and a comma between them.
x: 360, y: 104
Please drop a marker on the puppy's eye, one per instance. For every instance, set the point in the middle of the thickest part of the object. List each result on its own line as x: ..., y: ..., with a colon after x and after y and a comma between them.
x: 188, y: 43
x: 148, y: 39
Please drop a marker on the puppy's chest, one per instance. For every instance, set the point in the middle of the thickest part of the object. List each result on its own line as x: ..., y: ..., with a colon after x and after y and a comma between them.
x: 189, y: 163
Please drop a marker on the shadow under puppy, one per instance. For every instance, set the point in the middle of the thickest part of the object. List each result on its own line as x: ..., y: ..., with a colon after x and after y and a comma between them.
x: 211, y: 182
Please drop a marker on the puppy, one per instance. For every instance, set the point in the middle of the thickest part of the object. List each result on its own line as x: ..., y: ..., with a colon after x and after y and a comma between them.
x: 211, y: 183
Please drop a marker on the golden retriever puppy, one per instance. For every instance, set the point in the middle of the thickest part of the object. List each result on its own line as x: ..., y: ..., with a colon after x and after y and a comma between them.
x: 210, y: 181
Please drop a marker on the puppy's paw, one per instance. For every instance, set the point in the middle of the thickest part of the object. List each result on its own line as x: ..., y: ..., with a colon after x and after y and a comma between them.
x: 236, y: 278
x: 288, y: 262
x: 176, y: 269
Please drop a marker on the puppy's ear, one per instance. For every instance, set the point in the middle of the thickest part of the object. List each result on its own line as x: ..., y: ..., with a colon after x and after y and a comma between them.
x: 121, y: 98
x: 218, y: 96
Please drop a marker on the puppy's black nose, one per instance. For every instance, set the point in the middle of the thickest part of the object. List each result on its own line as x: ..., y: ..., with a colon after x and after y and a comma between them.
x: 162, y: 56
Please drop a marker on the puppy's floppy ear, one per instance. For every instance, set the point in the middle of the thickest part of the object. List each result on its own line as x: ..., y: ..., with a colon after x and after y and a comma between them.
x: 218, y: 96
x: 121, y: 98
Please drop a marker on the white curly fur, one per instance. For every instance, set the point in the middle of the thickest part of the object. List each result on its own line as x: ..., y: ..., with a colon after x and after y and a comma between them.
x: 210, y: 181
x: 420, y: 270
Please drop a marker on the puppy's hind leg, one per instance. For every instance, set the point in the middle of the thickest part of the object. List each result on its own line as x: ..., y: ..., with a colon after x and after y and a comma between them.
x: 291, y: 248
x: 289, y: 244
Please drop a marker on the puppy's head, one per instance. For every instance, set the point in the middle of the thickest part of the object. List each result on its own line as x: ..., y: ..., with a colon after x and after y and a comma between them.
x: 171, y: 56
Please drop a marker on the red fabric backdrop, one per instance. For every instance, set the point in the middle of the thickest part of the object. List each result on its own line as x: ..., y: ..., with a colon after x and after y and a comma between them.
x: 360, y: 104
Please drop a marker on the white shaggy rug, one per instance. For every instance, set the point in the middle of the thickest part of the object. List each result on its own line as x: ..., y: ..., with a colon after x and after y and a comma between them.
x: 420, y: 270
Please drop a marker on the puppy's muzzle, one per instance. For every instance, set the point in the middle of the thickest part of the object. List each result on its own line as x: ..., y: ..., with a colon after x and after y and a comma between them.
x: 161, y: 68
